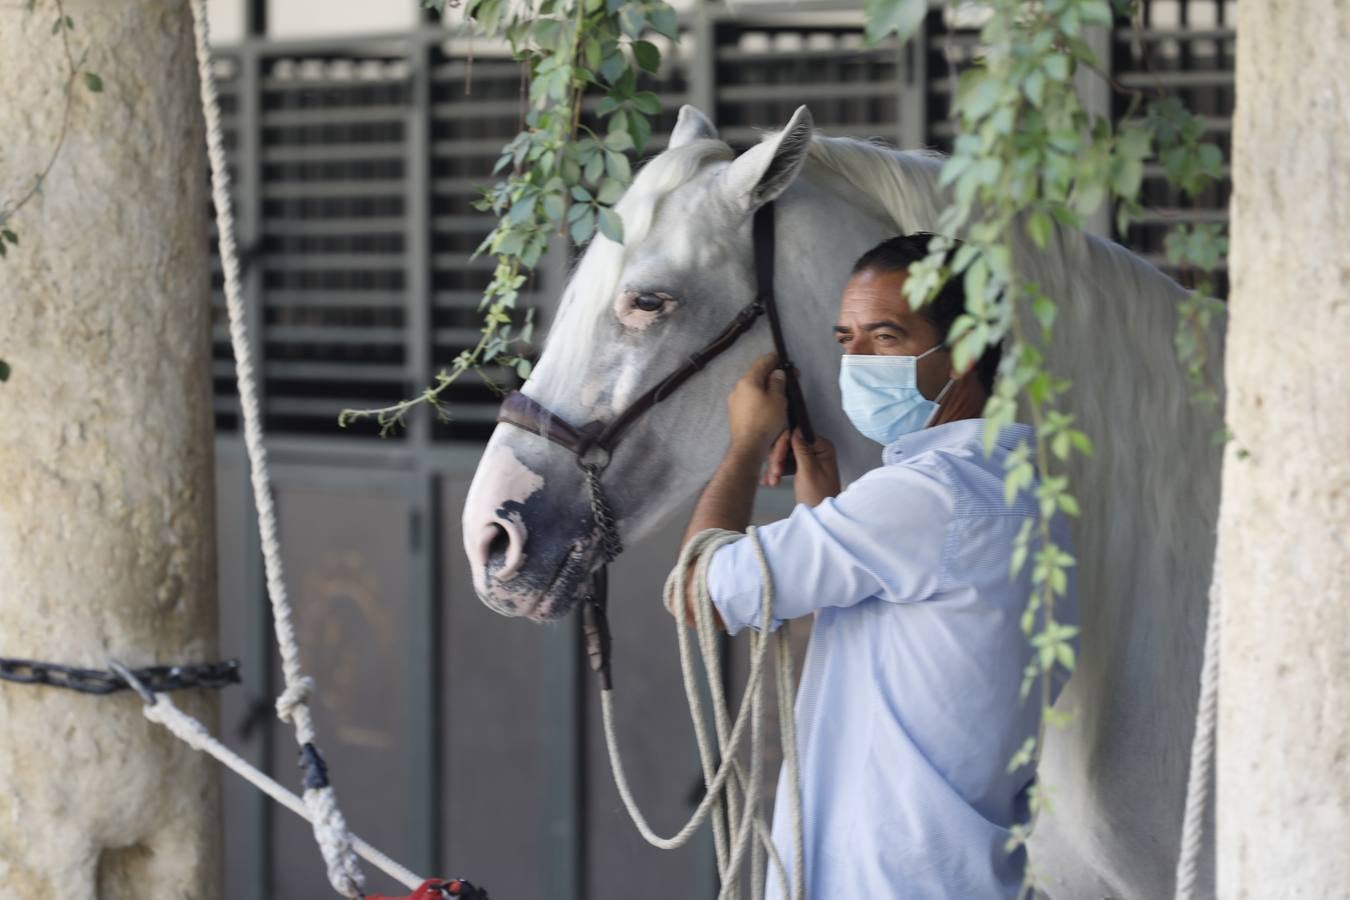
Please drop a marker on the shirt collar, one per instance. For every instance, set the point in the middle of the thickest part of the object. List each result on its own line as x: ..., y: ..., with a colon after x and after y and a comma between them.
x: 962, y: 433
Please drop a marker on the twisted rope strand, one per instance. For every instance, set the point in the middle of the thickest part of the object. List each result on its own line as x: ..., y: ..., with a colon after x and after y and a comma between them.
x: 727, y: 788
x: 330, y: 828
x: 1202, y: 751
x: 192, y: 732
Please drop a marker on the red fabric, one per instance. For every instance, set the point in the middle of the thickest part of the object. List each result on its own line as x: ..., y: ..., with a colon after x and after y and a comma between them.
x: 429, y: 890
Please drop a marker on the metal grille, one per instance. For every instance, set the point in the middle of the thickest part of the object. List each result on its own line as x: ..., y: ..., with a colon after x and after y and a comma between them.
x: 1184, y: 48
x: 765, y: 70
x: 476, y: 107
x: 332, y: 259
x: 356, y: 164
x: 225, y: 399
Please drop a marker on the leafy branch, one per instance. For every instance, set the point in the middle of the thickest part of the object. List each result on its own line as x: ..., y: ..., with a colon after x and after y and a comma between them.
x: 62, y: 27
x: 559, y: 177
x: 1028, y: 155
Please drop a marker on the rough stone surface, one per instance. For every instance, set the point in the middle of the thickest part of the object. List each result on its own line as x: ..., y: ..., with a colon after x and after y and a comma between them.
x: 1284, y: 720
x: 106, y: 540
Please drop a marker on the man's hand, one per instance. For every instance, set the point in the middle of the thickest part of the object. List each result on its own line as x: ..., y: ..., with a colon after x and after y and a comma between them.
x: 757, y: 406
x: 817, y: 468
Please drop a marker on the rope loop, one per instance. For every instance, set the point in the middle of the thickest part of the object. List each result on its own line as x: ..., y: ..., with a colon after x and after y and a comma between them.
x: 732, y: 796
x: 296, y: 695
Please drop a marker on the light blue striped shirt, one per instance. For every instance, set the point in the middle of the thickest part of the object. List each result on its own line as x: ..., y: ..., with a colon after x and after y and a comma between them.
x: 908, y: 710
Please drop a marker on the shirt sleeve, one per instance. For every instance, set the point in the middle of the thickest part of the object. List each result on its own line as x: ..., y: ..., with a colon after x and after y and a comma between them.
x: 882, y: 537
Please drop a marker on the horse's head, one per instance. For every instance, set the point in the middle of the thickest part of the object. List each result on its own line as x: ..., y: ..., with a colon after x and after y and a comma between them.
x: 630, y: 316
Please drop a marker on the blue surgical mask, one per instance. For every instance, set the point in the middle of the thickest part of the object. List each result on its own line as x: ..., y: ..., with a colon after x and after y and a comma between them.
x: 881, y: 395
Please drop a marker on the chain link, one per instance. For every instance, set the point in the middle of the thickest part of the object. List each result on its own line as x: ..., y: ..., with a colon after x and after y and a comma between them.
x: 157, y: 679
x: 610, y: 543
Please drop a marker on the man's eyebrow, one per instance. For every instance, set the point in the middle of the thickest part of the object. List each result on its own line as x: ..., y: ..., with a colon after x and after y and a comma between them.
x: 872, y: 326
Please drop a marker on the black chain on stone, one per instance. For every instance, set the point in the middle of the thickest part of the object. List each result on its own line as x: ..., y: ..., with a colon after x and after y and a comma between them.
x: 157, y: 679
x: 611, y: 545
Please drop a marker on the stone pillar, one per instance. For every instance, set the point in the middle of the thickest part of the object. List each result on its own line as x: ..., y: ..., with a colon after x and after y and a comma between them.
x: 106, y: 469
x: 1284, y: 719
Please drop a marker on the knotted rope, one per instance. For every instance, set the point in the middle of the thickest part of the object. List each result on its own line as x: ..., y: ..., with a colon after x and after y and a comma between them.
x: 738, y: 825
x: 162, y: 710
x: 320, y: 803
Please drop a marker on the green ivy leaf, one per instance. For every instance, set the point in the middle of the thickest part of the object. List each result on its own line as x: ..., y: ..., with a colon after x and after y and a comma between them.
x: 647, y: 103
x: 4, y: 370
x: 611, y: 226
x: 617, y: 166
x: 93, y: 82
x: 610, y: 192
x: 641, y: 130
x: 1039, y: 227
x: 647, y: 55
x: 619, y: 141
x: 584, y: 226
x: 613, y: 66
x: 664, y: 21
x: 554, y: 206
x: 632, y: 19
x: 593, y: 52
x: 899, y: 17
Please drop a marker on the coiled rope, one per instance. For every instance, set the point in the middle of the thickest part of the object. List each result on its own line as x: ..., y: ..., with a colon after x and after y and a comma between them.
x: 739, y: 829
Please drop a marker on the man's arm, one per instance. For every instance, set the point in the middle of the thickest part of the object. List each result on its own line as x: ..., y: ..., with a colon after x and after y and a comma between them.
x: 757, y: 409
x: 728, y: 499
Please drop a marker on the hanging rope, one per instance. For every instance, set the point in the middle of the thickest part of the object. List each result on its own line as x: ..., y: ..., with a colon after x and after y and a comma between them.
x: 330, y: 828
x: 1202, y: 751
x: 732, y: 797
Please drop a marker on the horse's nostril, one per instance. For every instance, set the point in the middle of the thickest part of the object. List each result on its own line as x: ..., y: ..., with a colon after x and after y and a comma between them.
x: 499, y: 542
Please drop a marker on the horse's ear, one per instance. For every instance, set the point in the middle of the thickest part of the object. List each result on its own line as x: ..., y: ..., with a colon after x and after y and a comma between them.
x: 692, y: 125
x: 764, y: 171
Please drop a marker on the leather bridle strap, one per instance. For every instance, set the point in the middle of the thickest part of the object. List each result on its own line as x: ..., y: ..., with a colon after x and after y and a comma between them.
x: 592, y: 444
x: 764, y: 264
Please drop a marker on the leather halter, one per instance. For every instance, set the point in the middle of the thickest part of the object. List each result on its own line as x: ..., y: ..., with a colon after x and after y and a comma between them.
x: 593, y: 444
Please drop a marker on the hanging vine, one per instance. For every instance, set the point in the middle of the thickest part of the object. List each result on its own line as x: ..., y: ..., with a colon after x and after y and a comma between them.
x: 75, y: 72
x: 1029, y: 155
x: 557, y: 176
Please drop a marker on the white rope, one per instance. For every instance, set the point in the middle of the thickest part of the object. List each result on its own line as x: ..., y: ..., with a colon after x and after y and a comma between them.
x: 735, y: 798
x: 1202, y: 751
x: 330, y: 828
x: 195, y: 734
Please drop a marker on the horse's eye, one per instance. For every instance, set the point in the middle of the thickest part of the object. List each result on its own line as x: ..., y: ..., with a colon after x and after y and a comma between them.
x: 649, y: 302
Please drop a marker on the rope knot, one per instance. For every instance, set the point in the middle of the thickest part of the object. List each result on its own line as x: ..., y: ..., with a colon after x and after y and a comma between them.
x: 296, y: 694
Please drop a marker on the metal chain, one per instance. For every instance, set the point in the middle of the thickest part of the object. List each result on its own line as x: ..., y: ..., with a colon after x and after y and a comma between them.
x: 102, y: 681
x: 611, y: 545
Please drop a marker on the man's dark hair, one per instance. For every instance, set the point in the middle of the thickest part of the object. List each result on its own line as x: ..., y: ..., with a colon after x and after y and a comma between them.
x: 897, y: 254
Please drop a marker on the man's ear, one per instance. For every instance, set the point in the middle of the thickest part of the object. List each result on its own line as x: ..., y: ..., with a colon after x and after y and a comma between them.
x: 764, y: 171
x: 692, y: 125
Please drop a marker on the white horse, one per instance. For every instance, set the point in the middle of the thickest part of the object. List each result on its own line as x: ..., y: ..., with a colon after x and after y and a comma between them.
x: 1149, y: 494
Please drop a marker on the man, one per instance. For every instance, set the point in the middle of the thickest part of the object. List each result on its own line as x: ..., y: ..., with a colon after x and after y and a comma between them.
x: 909, y: 710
